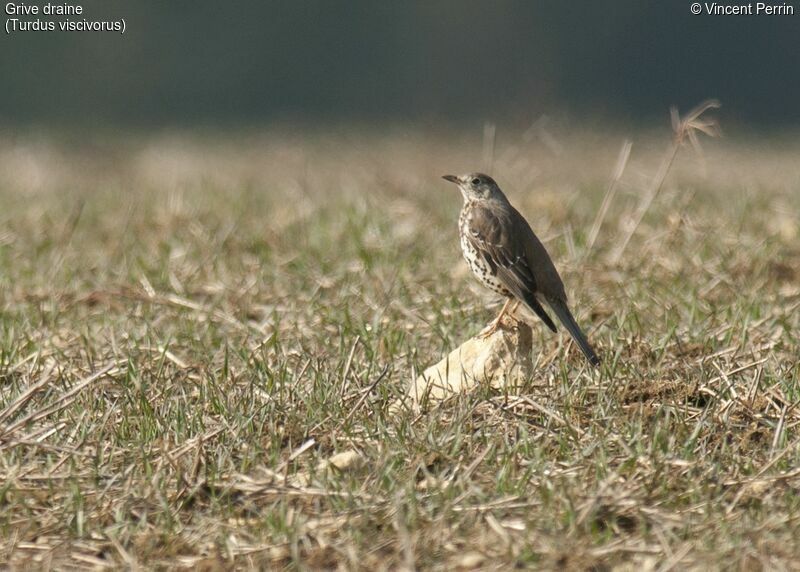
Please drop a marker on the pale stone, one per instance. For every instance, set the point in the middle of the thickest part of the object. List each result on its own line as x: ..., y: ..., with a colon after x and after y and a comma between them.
x: 470, y: 560
x: 501, y: 360
x: 346, y: 461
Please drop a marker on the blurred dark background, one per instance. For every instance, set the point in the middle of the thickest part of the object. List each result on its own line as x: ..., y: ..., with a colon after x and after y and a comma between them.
x: 203, y: 62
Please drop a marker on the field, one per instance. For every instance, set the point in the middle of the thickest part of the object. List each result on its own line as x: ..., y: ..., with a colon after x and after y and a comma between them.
x: 201, y: 337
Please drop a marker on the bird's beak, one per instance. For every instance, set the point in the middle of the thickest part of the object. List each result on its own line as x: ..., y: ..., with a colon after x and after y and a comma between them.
x: 451, y: 178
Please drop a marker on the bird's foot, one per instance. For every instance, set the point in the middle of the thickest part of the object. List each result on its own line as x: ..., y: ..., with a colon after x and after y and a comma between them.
x: 488, y: 331
x: 497, y: 323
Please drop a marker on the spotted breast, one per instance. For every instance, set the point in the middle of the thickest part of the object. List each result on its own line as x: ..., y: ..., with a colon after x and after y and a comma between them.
x: 484, y: 271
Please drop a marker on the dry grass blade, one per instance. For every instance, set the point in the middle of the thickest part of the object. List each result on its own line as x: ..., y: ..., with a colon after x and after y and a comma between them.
x: 24, y: 397
x: 489, y: 142
x: 684, y: 129
x: 61, y: 402
x: 619, y: 169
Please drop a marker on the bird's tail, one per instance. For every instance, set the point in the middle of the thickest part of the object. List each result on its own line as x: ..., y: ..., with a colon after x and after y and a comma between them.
x: 563, y: 313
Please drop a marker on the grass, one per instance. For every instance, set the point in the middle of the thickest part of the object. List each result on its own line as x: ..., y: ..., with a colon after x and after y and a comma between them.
x: 201, y: 336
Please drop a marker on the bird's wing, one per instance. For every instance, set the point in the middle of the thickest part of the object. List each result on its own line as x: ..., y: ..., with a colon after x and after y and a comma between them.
x: 490, y: 232
x: 548, y: 282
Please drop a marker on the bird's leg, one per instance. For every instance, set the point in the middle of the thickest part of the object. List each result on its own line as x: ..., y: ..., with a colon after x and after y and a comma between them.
x: 492, y: 328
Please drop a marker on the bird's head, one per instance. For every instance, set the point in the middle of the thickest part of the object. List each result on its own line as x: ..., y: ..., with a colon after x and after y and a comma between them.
x: 476, y: 186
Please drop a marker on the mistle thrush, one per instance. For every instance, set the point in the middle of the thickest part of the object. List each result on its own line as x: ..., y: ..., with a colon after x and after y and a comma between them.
x: 507, y: 257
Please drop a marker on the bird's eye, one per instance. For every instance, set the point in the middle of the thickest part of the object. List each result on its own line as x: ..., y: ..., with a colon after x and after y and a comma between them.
x: 476, y: 181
